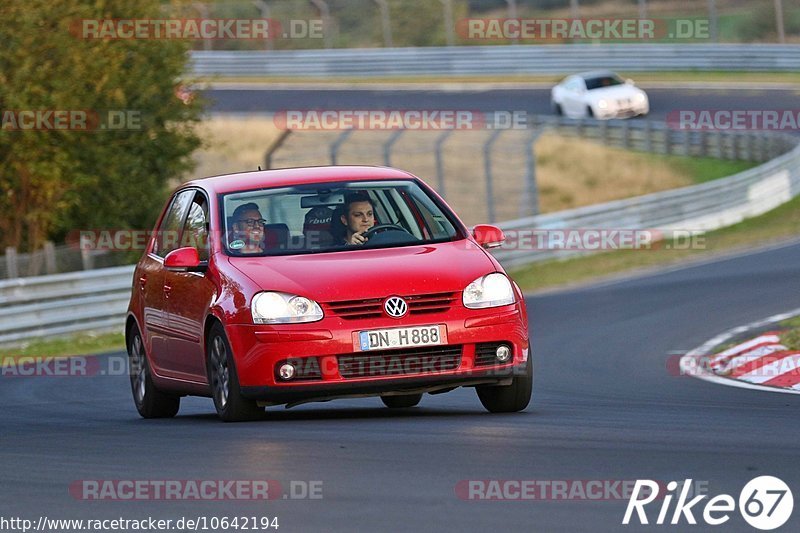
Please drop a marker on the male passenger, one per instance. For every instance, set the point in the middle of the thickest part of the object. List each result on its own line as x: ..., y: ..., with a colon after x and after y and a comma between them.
x: 247, y: 230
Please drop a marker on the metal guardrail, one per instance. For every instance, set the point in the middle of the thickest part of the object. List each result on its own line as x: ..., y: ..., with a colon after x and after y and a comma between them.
x: 497, y: 60
x: 707, y: 206
x: 97, y: 299
x: 46, y: 306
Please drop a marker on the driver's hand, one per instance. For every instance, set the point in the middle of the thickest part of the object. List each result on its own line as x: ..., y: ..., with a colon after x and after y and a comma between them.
x: 357, y: 238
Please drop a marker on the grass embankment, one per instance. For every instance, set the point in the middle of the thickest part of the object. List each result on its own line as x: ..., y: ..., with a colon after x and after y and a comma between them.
x: 83, y: 344
x: 791, y: 336
x: 780, y: 223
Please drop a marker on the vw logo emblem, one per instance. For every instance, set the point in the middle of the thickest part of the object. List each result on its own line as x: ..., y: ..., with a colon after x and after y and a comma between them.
x: 395, y: 307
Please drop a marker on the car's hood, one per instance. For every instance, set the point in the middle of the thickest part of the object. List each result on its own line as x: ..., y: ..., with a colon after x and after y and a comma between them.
x: 357, y: 274
x: 615, y: 92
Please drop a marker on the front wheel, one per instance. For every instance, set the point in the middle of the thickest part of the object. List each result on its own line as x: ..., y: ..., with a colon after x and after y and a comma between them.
x: 401, y: 402
x: 557, y: 109
x: 150, y: 402
x: 228, y: 401
x: 508, y: 398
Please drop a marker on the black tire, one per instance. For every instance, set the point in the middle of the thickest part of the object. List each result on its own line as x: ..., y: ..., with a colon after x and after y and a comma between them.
x: 149, y: 401
x: 589, y: 112
x: 224, y: 383
x: 401, y: 402
x: 508, y: 398
x: 557, y: 109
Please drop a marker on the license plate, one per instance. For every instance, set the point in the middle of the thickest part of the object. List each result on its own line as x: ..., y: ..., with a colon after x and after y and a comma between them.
x: 386, y: 339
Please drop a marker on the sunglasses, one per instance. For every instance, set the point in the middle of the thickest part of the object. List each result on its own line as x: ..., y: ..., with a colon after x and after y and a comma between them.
x: 252, y: 222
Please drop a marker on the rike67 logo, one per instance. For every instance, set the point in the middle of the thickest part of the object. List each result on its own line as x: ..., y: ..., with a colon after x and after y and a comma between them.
x: 765, y: 502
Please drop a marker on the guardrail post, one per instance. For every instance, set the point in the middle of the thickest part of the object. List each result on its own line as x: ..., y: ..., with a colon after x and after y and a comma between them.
x: 50, y: 257
x: 86, y: 259
x: 440, y: 161
x: 276, y: 144
x: 11, y: 263
x: 718, y: 139
x: 667, y: 140
x: 747, y: 149
x: 648, y: 136
x: 338, y: 143
x: 666, y: 130
x: 604, y: 132
x: 34, y: 263
x: 626, y: 134
x: 687, y: 143
x: 387, y: 147
x: 530, y: 198
x: 487, y: 166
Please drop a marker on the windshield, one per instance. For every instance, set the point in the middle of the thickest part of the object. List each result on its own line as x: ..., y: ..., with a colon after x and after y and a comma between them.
x: 332, y: 217
x: 603, y: 81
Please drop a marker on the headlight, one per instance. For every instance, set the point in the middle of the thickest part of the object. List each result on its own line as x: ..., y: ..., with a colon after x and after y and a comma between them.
x: 641, y: 98
x: 602, y: 104
x: 282, y: 308
x: 492, y: 290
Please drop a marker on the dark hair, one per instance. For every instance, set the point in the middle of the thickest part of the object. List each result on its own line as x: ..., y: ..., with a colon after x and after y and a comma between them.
x: 252, y: 206
x: 339, y: 230
x: 358, y: 196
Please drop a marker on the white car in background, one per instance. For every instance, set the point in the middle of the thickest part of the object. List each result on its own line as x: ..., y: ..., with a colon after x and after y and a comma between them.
x: 600, y: 94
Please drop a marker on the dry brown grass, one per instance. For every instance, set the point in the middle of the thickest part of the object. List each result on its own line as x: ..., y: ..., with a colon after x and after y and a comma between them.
x: 570, y: 172
x: 233, y: 144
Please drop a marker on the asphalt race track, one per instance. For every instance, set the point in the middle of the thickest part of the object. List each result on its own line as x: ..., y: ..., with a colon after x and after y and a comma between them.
x: 534, y: 100
x: 605, y: 407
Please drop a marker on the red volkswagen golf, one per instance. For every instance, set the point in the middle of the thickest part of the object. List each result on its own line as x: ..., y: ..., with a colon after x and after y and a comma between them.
x: 309, y: 284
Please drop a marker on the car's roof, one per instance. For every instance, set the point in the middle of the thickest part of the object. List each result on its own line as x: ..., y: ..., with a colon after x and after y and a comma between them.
x: 295, y: 176
x: 595, y: 74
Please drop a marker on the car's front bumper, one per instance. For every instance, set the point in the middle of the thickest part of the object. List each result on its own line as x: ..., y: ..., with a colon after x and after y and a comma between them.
x: 259, y: 350
x: 614, y: 111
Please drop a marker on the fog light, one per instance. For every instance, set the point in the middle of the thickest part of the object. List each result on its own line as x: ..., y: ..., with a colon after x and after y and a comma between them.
x: 503, y: 353
x: 286, y: 371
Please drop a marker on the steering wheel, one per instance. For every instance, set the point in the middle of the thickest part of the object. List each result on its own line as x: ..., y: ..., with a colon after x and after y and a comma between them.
x: 374, y: 230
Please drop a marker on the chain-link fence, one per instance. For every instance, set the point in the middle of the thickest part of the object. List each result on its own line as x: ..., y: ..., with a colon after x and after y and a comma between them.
x: 304, y: 24
x: 490, y: 175
x: 51, y: 259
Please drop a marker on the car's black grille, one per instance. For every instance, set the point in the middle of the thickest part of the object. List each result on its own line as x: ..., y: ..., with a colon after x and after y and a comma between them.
x: 486, y: 353
x: 373, y: 308
x: 306, y: 369
x: 400, y: 362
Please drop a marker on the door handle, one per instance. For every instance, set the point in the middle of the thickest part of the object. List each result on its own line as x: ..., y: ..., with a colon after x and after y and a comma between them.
x: 142, y: 282
x: 167, y: 290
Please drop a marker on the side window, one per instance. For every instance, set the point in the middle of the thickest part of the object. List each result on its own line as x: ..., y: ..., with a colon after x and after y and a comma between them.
x: 195, y: 230
x: 168, y: 232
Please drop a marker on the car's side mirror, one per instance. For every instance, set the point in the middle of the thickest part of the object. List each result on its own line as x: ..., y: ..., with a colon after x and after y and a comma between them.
x: 488, y: 236
x: 184, y: 260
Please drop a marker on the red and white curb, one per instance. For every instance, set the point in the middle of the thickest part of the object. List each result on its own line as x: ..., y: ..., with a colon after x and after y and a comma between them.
x: 761, y: 363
